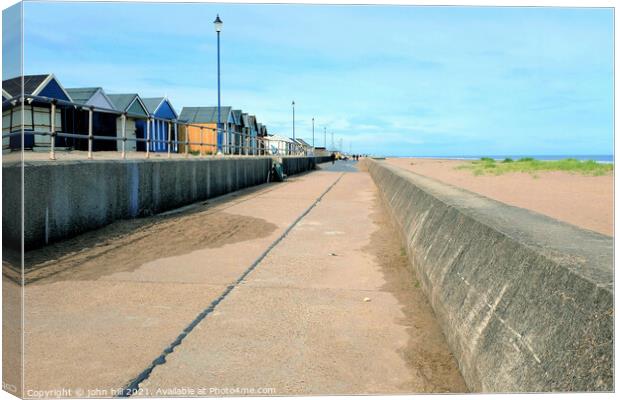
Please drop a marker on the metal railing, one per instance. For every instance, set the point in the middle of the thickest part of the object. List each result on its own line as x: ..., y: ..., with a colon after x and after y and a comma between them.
x: 243, y: 143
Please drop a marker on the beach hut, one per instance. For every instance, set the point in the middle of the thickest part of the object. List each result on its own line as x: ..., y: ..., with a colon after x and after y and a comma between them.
x: 36, y: 112
x: 165, y: 117
x: 260, y: 145
x: 206, y: 117
x: 135, y: 120
x: 249, y: 126
x: 204, y: 123
x: 104, y: 119
x: 238, y: 131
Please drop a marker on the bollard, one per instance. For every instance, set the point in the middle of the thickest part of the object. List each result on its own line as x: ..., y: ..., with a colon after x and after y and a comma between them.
x: 53, y: 130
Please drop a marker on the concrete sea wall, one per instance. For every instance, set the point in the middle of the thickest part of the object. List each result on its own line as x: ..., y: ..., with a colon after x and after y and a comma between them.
x: 65, y: 198
x: 525, y: 301
x: 296, y: 165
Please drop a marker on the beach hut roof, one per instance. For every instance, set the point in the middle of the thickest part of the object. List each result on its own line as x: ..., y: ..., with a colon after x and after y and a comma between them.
x: 204, y: 115
x: 36, y: 85
x: 237, y: 117
x: 160, y: 105
x: 246, y: 119
x: 82, y: 95
x: 128, y: 102
x: 303, y: 142
x: 280, y: 138
x: 94, y: 96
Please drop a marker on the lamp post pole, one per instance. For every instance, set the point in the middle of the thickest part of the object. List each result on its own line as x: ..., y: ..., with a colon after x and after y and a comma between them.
x: 218, y: 28
x: 293, y: 104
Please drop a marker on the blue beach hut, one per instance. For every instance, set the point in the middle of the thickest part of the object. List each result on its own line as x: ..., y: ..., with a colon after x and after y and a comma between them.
x: 36, y: 113
x: 160, y: 107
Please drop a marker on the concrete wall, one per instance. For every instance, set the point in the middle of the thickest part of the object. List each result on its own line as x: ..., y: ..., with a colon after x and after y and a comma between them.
x: 525, y: 301
x: 296, y: 165
x: 65, y: 198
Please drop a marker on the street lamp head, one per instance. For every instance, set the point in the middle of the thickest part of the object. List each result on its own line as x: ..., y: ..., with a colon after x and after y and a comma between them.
x: 293, y: 102
x: 218, y: 23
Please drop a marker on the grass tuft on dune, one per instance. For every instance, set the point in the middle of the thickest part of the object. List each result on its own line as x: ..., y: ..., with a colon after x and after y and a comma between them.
x: 488, y: 166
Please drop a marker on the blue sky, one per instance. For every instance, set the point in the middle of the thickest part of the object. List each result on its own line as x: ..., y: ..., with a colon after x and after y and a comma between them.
x: 392, y: 80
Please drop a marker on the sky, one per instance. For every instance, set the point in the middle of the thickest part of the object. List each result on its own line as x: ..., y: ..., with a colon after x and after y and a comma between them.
x: 387, y: 80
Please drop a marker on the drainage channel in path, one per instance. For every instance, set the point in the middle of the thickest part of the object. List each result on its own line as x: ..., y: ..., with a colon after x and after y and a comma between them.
x: 134, y: 385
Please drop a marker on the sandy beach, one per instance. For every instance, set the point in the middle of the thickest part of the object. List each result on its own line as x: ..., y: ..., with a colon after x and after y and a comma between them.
x: 584, y: 201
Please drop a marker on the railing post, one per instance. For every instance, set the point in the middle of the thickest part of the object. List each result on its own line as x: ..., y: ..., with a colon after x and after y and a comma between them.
x: 169, y: 138
x: 123, y: 135
x: 176, y: 138
x: 186, y: 141
x: 53, y: 130
x: 90, y: 133
x: 201, y: 141
x: 148, y: 137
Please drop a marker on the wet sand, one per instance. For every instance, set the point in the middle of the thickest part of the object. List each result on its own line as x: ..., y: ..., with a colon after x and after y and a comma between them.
x: 584, y: 201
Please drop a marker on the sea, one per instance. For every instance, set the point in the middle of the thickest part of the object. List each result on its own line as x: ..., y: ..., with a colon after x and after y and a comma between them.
x: 603, y: 159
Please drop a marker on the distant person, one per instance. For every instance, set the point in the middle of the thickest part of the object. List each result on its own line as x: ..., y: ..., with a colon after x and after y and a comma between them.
x: 333, y: 157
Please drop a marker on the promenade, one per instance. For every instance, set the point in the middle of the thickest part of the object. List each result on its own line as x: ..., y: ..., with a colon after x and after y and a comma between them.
x: 293, y: 288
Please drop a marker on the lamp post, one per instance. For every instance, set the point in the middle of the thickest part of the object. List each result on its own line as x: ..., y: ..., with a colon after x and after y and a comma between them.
x: 293, y: 104
x: 218, y: 28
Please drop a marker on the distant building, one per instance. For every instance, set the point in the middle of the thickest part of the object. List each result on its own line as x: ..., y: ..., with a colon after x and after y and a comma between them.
x: 321, y: 152
x: 164, y: 118
x: 279, y: 145
x: 135, y: 122
x: 36, y: 113
x: 304, y: 147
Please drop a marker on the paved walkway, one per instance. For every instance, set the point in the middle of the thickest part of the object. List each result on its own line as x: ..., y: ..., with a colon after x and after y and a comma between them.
x: 328, y: 308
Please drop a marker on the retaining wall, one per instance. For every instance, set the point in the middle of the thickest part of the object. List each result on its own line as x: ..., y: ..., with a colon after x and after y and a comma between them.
x: 525, y: 301
x: 296, y: 165
x: 65, y: 198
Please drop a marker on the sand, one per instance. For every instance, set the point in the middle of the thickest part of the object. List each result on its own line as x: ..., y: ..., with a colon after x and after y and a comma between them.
x: 584, y: 201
